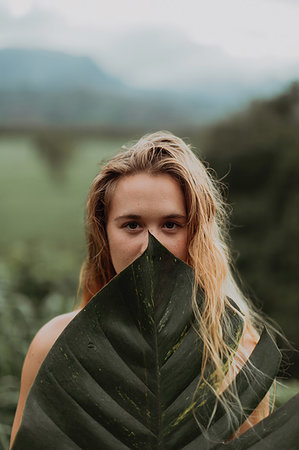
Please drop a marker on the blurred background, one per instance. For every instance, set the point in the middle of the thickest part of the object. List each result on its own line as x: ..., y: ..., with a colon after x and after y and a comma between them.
x: 80, y: 79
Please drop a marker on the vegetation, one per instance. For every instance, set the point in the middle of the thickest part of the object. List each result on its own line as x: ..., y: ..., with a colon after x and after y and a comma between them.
x: 42, y: 237
x: 257, y: 155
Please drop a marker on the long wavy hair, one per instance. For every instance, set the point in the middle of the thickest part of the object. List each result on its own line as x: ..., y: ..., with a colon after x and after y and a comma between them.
x: 208, y: 250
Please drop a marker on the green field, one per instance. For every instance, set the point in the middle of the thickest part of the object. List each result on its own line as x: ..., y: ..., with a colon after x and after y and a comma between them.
x: 36, y: 207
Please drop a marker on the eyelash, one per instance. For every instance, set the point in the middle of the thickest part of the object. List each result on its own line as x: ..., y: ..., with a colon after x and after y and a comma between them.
x: 127, y: 225
x: 176, y: 225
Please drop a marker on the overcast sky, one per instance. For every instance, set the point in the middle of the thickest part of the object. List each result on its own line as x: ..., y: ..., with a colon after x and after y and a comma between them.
x: 263, y: 32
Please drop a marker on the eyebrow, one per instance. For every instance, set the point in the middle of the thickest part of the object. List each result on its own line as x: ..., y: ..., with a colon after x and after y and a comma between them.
x: 138, y: 217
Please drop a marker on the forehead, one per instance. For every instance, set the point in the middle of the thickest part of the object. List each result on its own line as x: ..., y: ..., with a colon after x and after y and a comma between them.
x: 145, y: 191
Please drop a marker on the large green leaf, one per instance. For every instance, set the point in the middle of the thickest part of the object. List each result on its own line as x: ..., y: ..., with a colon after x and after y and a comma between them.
x: 279, y: 431
x: 123, y: 373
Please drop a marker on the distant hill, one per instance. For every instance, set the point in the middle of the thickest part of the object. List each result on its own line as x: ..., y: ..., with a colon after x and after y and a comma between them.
x: 42, y: 87
x: 50, y: 70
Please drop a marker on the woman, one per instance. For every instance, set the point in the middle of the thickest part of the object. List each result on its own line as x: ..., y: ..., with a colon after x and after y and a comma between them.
x: 158, y: 185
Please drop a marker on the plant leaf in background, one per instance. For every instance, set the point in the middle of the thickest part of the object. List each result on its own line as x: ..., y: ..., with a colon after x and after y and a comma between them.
x: 123, y: 373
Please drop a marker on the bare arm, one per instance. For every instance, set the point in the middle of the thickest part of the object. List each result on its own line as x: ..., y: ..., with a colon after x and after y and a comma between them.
x: 37, y: 352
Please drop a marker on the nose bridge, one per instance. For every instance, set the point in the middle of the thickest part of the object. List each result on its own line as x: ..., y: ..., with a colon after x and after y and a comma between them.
x: 144, y: 243
x: 150, y: 229
x: 154, y: 231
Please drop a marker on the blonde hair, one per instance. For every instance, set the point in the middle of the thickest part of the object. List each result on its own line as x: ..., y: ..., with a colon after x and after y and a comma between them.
x: 208, y: 252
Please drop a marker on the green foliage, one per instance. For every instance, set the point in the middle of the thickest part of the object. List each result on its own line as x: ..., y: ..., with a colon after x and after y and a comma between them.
x: 32, y: 291
x: 123, y: 373
x: 256, y: 154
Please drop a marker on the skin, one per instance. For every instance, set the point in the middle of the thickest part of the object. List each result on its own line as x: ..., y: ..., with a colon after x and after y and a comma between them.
x: 140, y: 204
x: 143, y: 203
x: 37, y: 352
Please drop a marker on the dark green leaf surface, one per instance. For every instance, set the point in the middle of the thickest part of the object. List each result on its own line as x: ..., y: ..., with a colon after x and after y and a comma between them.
x: 123, y: 373
x: 279, y: 431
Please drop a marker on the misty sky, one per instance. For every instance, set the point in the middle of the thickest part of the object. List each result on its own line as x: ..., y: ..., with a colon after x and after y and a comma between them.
x: 123, y: 33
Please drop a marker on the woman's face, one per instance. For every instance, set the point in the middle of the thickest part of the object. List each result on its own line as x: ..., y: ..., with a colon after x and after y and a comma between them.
x: 142, y: 203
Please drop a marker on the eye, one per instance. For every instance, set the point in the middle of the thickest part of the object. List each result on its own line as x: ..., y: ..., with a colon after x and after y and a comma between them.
x: 131, y: 226
x: 170, y: 225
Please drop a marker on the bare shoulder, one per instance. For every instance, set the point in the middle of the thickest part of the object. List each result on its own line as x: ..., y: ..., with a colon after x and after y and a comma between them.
x: 47, y: 335
x: 38, y: 350
x: 41, y: 344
